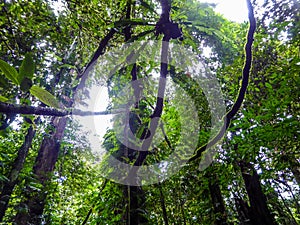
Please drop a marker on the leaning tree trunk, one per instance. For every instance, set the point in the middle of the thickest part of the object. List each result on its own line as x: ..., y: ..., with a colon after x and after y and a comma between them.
x: 260, y: 213
x: 44, y: 166
x: 15, y: 171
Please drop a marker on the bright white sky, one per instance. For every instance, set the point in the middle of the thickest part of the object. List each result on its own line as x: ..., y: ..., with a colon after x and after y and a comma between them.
x: 235, y: 10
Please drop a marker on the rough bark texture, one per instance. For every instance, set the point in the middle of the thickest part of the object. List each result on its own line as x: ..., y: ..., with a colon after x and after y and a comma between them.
x: 14, y: 173
x: 259, y: 213
x: 44, y: 166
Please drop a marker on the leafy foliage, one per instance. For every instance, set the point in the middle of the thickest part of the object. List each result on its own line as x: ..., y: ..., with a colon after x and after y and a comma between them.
x: 45, y: 53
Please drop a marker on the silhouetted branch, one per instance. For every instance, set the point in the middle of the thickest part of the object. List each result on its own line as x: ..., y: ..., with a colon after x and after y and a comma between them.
x: 9, y: 109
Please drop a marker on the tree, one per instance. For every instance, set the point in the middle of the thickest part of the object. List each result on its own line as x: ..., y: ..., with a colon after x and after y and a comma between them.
x: 51, y: 56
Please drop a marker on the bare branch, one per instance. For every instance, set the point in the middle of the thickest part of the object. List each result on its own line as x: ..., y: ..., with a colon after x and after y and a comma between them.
x: 7, y: 108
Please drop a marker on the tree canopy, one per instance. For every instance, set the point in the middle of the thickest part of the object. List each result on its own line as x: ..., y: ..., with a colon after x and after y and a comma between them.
x: 204, y: 113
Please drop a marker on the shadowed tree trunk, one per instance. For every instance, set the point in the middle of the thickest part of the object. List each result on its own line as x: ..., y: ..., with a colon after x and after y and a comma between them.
x: 14, y: 173
x: 243, y: 210
x: 259, y: 213
x: 217, y: 200
x: 163, y: 204
x: 218, y: 203
x: 134, y: 194
x: 44, y: 165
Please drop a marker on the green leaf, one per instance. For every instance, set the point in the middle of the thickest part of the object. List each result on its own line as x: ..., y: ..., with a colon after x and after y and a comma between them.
x: 26, y: 68
x: 10, y: 72
x: 3, y: 178
x: 3, y: 82
x: 44, y: 96
x: 147, y: 6
x: 268, y: 85
x: 3, y: 99
x: 67, y: 66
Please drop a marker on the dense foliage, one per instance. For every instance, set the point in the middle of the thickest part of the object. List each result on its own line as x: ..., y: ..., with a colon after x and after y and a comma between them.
x: 50, y: 58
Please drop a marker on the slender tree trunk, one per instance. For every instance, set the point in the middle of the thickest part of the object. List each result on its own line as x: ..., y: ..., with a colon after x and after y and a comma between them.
x: 217, y: 200
x: 44, y: 166
x: 14, y: 173
x: 182, y: 210
x: 163, y: 205
x: 260, y: 213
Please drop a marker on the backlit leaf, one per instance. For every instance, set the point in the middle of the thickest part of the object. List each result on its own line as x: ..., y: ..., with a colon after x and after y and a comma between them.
x: 3, y: 99
x: 26, y: 68
x: 44, y: 96
x: 9, y: 71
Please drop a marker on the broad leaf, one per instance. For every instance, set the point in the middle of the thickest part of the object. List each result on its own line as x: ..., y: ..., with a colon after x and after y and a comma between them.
x: 26, y: 68
x: 44, y: 96
x: 9, y: 71
x: 3, y: 99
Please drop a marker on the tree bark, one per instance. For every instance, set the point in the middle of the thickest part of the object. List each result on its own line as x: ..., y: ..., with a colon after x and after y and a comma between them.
x: 259, y: 213
x: 15, y: 171
x: 135, y: 211
x: 44, y: 166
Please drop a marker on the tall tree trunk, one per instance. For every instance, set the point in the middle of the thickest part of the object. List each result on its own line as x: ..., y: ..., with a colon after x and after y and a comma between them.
x: 44, y: 166
x: 137, y: 205
x: 15, y: 171
x: 260, y: 213
x: 217, y: 200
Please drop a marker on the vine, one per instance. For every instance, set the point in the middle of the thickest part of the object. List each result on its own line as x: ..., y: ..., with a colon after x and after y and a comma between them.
x: 245, y: 80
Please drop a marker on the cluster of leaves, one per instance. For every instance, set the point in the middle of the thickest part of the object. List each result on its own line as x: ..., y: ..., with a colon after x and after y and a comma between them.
x: 24, y: 80
x: 43, y: 55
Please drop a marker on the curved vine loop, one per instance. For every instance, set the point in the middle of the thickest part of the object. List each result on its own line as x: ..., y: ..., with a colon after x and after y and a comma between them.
x: 241, y: 95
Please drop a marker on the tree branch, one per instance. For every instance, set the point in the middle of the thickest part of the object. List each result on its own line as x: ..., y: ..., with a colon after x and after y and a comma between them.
x: 9, y: 109
x: 98, y: 53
